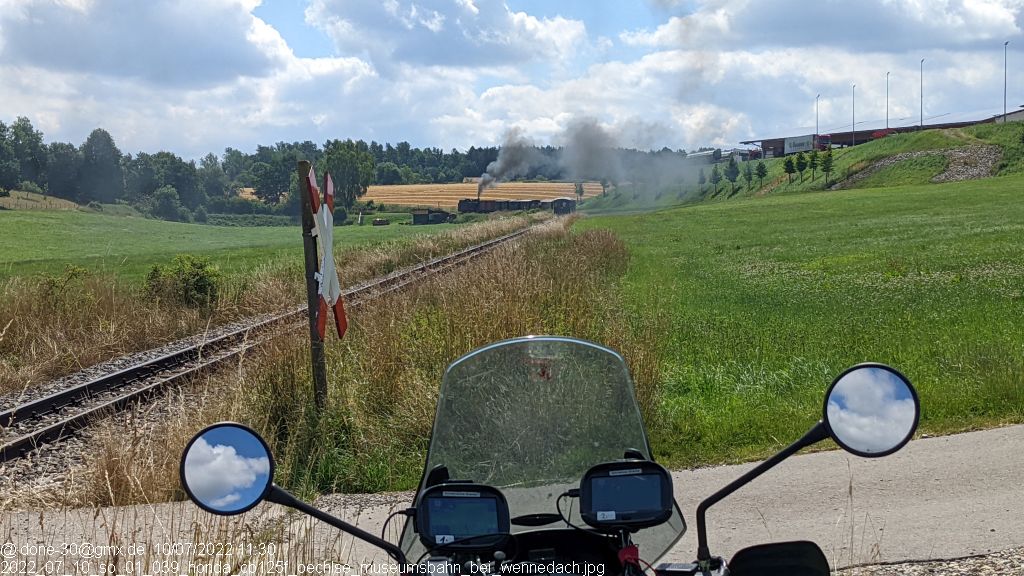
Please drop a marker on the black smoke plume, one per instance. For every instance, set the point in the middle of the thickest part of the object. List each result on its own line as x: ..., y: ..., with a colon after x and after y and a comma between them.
x: 589, y: 152
x: 516, y: 157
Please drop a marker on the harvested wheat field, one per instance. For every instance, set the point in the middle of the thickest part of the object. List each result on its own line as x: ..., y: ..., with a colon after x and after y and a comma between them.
x: 18, y: 200
x: 448, y: 195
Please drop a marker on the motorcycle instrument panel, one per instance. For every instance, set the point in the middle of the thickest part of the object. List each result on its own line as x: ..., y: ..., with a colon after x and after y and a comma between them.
x: 462, y: 517
x: 627, y: 494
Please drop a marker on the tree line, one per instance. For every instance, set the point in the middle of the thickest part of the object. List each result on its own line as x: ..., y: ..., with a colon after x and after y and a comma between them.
x: 164, y: 185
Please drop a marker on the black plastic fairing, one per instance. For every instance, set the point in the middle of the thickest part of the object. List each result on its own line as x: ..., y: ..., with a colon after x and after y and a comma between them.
x: 799, y: 558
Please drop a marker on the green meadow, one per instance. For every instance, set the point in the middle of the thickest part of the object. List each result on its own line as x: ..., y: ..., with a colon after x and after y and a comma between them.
x: 36, y: 241
x: 767, y: 299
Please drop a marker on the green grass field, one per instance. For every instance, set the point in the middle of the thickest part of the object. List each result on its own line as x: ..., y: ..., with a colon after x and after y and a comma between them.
x: 769, y: 298
x: 45, y: 241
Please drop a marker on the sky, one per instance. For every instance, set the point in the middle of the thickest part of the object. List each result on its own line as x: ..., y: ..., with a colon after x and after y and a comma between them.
x: 197, y: 76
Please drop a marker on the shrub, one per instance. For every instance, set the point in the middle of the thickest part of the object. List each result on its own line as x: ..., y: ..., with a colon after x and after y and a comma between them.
x: 248, y: 220
x: 188, y: 280
x: 27, y: 186
x: 340, y: 215
x: 165, y: 204
x: 236, y: 205
x: 4, y: 193
x: 200, y: 214
x: 54, y: 286
x: 94, y: 206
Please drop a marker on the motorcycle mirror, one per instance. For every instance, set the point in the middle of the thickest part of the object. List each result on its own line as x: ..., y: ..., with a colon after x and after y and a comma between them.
x: 871, y: 410
x: 227, y: 469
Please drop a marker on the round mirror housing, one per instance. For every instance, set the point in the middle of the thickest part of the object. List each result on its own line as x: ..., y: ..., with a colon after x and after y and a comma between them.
x: 871, y: 410
x: 227, y: 469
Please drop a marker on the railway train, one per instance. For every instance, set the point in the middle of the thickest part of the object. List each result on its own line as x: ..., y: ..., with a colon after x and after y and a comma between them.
x: 557, y: 205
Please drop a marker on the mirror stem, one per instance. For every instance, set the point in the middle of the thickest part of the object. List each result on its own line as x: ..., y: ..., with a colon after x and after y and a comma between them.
x: 281, y: 496
x: 816, y: 434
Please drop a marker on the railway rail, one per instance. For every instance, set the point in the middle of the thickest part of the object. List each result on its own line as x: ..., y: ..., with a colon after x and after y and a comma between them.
x: 49, y: 418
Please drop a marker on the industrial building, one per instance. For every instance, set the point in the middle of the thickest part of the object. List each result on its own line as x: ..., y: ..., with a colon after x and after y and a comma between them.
x: 779, y: 146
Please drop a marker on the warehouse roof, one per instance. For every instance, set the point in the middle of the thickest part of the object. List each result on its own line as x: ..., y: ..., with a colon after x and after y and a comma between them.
x: 865, y: 128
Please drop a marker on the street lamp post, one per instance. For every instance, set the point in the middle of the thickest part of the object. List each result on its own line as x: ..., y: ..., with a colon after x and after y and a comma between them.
x: 853, y: 123
x: 816, y: 119
x: 1005, y: 44
x: 887, y: 102
x: 922, y: 94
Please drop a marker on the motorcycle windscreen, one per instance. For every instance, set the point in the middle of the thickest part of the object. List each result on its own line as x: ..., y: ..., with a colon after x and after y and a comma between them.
x: 530, y: 416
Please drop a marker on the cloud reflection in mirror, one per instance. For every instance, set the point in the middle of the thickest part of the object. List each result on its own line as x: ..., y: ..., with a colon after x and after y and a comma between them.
x: 227, y: 469
x: 871, y: 410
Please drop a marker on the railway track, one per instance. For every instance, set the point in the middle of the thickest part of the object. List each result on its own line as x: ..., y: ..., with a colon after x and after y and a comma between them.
x: 43, y: 420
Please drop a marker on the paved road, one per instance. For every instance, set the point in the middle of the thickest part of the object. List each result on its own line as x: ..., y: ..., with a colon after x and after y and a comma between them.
x: 938, y: 498
x: 942, y: 497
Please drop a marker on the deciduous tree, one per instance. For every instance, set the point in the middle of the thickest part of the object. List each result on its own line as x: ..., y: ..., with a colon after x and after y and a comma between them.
x: 269, y: 183
x: 171, y: 170
x: 9, y: 169
x: 351, y: 169
x: 213, y: 181
x: 101, y: 177
x: 63, y: 161
x: 388, y: 173
x: 164, y: 204
x: 29, y: 151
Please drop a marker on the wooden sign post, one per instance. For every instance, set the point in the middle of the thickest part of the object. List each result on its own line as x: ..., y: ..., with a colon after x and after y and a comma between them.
x: 309, y: 242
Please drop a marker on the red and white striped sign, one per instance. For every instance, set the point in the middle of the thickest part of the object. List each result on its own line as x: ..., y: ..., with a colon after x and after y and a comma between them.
x: 327, y: 275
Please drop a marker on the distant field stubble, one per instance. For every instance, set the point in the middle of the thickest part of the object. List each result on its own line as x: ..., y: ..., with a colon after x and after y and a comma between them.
x: 448, y: 195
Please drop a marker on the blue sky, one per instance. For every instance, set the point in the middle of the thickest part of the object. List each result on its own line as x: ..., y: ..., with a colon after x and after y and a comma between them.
x: 195, y: 76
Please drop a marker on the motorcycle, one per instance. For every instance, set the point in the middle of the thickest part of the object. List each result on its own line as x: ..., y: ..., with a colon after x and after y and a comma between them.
x: 539, y: 462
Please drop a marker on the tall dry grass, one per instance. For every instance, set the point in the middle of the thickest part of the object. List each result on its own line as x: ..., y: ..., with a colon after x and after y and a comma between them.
x: 178, y: 538
x: 57, y: 324
x: 384, y: 375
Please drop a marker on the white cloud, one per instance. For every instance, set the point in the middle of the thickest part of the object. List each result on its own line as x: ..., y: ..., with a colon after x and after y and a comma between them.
x: 870, y: 410
x: 176, y: 45
x: 485, y: 33
x: 692, y: 31
x: 216, y: 474
x: 201, y: 76
x: 873, y: 25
